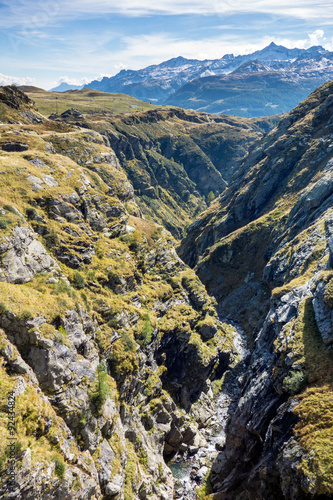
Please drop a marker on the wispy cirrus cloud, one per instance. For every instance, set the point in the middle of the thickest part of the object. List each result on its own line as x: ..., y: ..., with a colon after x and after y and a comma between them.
x: 161, y: 46
x: 16, y: 12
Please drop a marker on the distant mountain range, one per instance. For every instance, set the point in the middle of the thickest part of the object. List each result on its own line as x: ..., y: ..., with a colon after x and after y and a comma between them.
x: 268, y: 81
x: 64, y: 86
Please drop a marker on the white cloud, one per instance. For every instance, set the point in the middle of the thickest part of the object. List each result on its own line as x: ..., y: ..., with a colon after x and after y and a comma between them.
x: 76, y: 81
x: 317, y: 37
x: 43, y: 13
x: 73, y: 81
x: 301, y: 9
x: 119, y: 66
x: 101, y: 76
x: 144, y: 50
x: 9, y: 80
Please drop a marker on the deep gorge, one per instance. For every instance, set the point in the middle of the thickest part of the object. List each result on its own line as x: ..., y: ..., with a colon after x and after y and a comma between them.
x: 165, y: 292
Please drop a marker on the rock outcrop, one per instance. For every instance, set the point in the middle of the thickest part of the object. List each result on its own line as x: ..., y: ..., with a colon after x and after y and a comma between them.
x: 16, y: 107
x: 264, y: 251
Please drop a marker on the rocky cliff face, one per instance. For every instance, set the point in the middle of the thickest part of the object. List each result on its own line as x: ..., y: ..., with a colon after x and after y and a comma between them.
x: 264, y: 251
x: 174, y: 159
x: 108, y: 340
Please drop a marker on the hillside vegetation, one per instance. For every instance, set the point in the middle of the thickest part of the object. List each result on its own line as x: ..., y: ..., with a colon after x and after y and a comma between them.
x: 173, y: 158
x: 85, y: 100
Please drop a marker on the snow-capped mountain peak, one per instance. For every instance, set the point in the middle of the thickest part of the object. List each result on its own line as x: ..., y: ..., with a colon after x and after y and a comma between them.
x: 157, y: 82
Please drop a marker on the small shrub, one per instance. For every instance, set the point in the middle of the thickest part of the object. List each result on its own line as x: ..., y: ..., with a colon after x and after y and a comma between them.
x: 83, y: 418
x: 329, y: 293
x: 47, y: 330
x: 147, y: 330
x: 294, y: 382
x: 96, y: 180
x: 102, y: 389
x: 3, y: 223
x: 129, y: 344
x: 100, y: 254
x: 61, y: 335
x: 9, y: 208
x: 26, y: 315
x: 60, y: 466
x: 85, y: 300
x: 91, y: 275
x: 210, y: 197
x: 78, y: 280
x: 51, y: 239
x: 62, y: 288
x: 133, y: 240
x: 77, y: 484
x: 31, y: 213
x: 123, y: 356
x: 3, y: 308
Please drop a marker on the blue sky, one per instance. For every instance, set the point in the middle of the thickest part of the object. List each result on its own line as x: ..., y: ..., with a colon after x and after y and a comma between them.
x: 45, y: 42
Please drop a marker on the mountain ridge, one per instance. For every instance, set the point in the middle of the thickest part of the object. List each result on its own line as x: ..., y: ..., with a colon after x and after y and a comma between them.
x: 173, y: 157
x: 248, y: 93
x: 157, y: 82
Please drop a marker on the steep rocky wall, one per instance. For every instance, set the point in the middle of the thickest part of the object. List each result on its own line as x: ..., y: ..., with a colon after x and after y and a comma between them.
x: 264, y: 251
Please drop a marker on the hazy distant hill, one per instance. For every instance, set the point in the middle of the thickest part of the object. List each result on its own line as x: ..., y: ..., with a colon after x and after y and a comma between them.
x: 30, y: 88
x: 247, y: 93
x: 66, y: 86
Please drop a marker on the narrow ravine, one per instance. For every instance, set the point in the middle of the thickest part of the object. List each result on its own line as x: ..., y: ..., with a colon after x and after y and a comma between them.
x: 191, y: 473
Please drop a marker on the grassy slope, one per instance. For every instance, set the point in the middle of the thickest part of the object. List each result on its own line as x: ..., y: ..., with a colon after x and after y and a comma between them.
x: 182, y: 155
x: 91, y: 287
x: 41, y: 298
x: 86, y: 101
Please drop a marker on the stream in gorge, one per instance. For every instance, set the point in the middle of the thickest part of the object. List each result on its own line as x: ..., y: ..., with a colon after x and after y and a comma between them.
x: 190, y: 472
